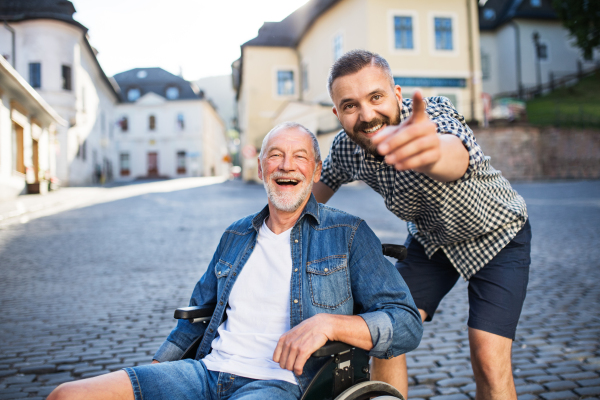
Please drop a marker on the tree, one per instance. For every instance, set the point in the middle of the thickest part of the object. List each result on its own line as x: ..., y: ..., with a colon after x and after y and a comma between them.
x: 582, y: 19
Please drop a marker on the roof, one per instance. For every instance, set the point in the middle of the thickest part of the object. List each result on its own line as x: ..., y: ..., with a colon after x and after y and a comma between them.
x: 289, y: 31
x: 155, y: 80
x: 495, y: 13
x: 21, y: 10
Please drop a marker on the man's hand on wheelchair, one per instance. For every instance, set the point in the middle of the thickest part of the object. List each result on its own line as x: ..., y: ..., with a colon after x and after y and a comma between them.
x: 297, y: 345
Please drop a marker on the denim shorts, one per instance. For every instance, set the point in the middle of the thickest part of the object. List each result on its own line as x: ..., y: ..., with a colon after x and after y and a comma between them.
x: 496, y: 292
x: 189, y: 379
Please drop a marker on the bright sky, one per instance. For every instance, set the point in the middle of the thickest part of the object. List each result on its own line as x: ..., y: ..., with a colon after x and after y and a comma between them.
x: 202, y: 37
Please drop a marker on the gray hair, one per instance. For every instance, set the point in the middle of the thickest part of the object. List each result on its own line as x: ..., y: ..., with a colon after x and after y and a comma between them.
x: 292, y: 125
x: 355, y: 60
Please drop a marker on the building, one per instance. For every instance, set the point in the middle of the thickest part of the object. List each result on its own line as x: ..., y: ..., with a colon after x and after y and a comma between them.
x: 27, y: 136
x: 281, y: 75
x: 510, y: 58
x: 166, y: 128
x: 52, y: 51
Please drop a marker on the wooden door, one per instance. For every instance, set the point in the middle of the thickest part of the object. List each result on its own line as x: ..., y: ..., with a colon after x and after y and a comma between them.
x: 153, y: 164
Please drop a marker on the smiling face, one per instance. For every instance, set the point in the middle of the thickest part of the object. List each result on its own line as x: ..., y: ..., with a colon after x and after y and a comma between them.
x: 365, y: 103
x: 288, y: 168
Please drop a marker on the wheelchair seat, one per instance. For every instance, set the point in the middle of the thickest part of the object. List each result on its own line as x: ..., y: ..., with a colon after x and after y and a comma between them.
x: 344, y: 376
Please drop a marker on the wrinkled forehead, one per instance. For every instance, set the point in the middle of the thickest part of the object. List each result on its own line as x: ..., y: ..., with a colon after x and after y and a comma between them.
x: 290, y: 139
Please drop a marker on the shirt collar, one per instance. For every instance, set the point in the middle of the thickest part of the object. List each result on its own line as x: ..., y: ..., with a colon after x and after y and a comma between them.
x: 311, y: 208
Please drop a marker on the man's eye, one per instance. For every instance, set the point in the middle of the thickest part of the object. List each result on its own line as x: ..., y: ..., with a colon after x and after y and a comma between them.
x: 348, y: 106
x: 377, y: 97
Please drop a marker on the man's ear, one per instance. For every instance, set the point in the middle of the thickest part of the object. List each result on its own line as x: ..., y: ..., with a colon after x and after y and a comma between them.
x: 260, y: 173
x: 317, y: 176
x: 335, y: 112
x: 398, y: 93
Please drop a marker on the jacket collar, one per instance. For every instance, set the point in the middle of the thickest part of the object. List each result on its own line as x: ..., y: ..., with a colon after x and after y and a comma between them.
x: 311, y: 208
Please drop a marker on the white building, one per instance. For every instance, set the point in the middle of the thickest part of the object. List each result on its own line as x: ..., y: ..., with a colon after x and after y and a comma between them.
x: 51, y: 50
x: 509, y: 59
x: 166, y: 128
x: 27, y: 136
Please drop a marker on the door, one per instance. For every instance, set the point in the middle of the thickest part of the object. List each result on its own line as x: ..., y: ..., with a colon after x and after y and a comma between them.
x: 153, y: 164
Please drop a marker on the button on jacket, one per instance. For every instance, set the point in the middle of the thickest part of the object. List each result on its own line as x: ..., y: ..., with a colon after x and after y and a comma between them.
x: 338, y: 268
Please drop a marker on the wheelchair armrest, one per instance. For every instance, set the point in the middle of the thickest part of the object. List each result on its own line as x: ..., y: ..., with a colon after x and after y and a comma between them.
x: 191, y: 313
x: 331, y: 349
x: 396, y: 251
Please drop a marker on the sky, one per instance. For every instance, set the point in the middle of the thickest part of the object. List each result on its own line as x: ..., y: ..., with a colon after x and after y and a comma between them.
x: 200, y: 38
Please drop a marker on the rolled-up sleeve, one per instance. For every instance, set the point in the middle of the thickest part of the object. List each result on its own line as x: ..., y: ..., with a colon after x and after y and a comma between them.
x: 382, y: 298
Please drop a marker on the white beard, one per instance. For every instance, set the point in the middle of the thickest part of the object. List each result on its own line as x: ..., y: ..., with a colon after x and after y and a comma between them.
x: 287, y: 202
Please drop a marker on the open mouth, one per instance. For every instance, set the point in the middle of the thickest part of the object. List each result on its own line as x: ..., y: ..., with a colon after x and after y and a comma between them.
x: 373, y: 130
x: 286, y: 182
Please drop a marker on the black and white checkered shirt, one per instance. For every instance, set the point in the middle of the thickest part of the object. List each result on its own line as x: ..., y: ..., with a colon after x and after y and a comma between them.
x: 470, y: 219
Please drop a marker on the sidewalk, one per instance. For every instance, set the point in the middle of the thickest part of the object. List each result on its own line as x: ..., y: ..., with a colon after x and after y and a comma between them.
x: 24, y: 208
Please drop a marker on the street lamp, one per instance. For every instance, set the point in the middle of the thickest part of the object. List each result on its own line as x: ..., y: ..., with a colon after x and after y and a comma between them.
x: 536, y: 42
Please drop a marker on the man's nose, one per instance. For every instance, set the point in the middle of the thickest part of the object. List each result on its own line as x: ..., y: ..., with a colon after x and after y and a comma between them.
x: 287, y: 163
x: 367, y: 113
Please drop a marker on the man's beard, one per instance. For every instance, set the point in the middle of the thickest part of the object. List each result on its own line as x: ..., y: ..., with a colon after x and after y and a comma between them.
x: 359, y: 137
x: 287, y: 201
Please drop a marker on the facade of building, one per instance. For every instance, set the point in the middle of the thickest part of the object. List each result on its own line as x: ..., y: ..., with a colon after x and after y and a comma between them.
x: 27, y: 136
x: 282, y: 73
x: 51, y: 50
x: 510, y: 58
x: 166, y: 128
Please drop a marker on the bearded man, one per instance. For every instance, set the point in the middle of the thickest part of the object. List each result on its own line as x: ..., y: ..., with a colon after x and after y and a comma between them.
x: 464, y: 218
x: 283, y: 282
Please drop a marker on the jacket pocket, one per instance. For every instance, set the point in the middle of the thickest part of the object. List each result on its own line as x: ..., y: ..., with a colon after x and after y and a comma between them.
x: 222, y: 269
x: 329, y: 281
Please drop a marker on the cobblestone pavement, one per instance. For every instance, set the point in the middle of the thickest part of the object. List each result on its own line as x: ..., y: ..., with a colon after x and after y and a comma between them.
x: 91, y: 290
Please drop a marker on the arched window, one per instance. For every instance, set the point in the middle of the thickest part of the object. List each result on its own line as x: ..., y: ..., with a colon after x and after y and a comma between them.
x: 172, y: 92
x: 152, y: 122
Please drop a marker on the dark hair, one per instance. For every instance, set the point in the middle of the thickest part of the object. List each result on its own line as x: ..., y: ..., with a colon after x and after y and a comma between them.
x: 355, y: 60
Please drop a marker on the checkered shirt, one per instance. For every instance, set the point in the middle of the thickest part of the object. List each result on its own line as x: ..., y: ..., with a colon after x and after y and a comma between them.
x: 470, y: 219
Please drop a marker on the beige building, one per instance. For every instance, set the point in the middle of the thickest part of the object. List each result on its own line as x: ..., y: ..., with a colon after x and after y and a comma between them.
x: 281, y: 75
x: 27, y: 136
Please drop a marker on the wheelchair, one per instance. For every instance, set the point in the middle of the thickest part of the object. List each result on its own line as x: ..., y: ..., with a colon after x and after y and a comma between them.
x: 344, y: 376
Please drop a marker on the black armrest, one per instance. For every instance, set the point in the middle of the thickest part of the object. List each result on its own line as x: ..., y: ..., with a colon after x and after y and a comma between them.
x: 194, y: 312
x: 331, y: 348
x: 396, y: 251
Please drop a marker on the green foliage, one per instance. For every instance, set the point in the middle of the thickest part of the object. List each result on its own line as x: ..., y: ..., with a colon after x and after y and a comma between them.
x: 582, y: 19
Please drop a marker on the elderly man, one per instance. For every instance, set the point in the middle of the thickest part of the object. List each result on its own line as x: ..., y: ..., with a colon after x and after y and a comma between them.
x: 288, y: 280
x: 464, y: 218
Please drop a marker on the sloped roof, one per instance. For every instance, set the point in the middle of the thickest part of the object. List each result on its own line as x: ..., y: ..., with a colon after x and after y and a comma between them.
x: 155, y: 80
x: 289, y: 31
x: 495, y: 13
x: 21, y: 10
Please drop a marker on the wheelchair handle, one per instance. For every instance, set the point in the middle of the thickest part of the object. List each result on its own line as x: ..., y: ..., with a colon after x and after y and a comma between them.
x: 396, y: 251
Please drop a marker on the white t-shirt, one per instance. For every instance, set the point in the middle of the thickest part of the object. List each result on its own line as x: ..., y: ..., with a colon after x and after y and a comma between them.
x: 258, y: 313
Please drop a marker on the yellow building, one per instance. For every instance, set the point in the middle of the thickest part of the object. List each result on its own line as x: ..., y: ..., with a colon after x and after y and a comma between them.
x: 281, y: 75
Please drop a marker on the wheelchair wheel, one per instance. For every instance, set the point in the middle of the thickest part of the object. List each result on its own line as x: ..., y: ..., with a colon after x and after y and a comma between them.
x: 371, y: 389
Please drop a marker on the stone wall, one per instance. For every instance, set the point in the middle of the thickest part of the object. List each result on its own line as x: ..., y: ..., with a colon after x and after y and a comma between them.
x: 531, y: 153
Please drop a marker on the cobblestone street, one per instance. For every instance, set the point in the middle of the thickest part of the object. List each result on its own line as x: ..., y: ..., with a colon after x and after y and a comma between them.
x: 90, y: 290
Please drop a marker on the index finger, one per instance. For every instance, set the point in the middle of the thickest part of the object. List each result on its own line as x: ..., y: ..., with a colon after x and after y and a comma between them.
x: 418, y: 106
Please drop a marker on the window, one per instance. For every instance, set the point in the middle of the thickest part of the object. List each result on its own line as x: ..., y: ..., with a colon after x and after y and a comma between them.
x: 285, y: 83
x: 338, y: 46
x: 133, y: 94
x: 542, y: 50
x: 172, y: 92
x: 81, y: 150
x: 536, y: 3
x: 403, y: 32
x: 485, y: 66
x: 66, y: 77
x: 35, y: 75
x: 152, y: 122
x: 181, y: 162
x: 124, y: 124
x: 124, y: 163
x: 443, y: 33
x: 180, y: 122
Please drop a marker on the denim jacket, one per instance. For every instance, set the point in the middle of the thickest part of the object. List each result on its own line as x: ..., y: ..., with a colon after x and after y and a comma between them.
x: 338, y: 268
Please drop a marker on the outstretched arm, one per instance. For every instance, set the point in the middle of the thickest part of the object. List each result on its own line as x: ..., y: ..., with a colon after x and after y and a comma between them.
x: 297, y: 345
